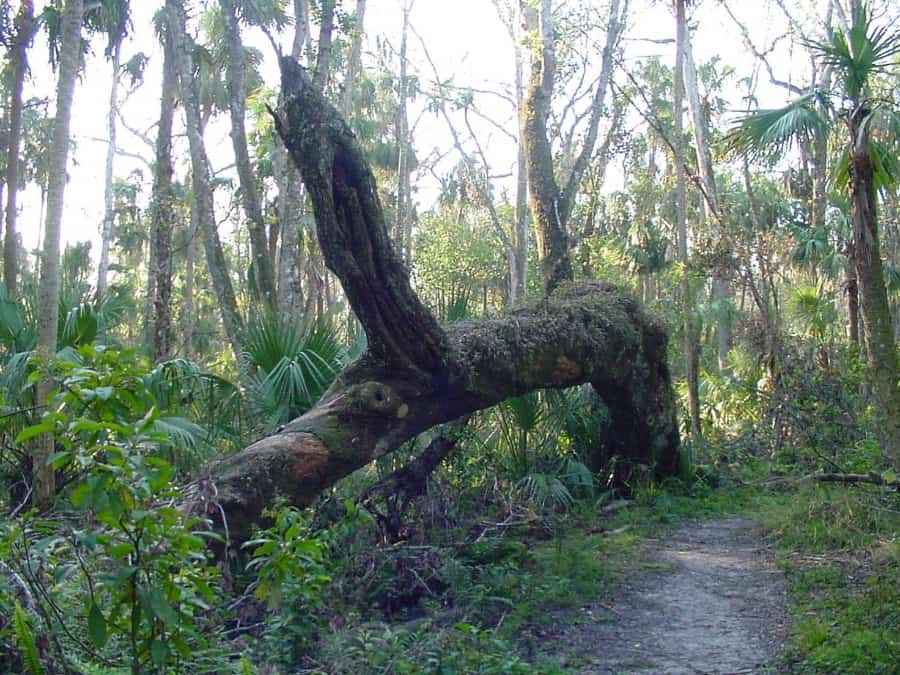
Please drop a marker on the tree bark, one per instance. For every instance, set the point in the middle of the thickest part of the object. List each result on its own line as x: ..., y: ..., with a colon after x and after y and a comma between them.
x: 108, y: 177
x: 323, y: 58
x: 881, y: 353
x: 291, y: 199
x: 415, y: 373
x: 163, y: 216
x: 403, y: 206
x: 263, y: 269
x: 551, y: 205
x: 48, y: 318
x: 24, y: 31
x: 354, y: 59
x: 200, y: 174
x: 691, y: 340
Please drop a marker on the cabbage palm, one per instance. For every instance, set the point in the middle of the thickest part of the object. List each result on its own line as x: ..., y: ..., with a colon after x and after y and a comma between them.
x: 288, y: 366
x: 869, y: 131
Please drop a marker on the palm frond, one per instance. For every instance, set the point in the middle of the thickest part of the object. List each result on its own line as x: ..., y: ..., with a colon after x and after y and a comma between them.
x: 289, y: 365
x: 859, y: 54
x: 768, y: 134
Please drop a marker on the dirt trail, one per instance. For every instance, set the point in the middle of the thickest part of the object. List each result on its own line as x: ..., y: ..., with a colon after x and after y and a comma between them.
x: 709, y: 601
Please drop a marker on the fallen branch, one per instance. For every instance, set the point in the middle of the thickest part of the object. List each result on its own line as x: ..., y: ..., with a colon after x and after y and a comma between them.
x: 871, y: 478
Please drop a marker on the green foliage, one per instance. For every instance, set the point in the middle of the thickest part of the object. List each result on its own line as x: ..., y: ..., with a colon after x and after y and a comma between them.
x: 289, y: 366
x: 842, y: 562
x: 26, y: 641
x: 461, y: 649
x: 125, y: 579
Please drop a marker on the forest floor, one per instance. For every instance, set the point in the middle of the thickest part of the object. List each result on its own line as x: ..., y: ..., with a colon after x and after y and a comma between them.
x: 709, y: 599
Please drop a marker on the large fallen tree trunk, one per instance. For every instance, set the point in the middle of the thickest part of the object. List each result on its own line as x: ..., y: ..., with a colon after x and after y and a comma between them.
x: 415, y: 373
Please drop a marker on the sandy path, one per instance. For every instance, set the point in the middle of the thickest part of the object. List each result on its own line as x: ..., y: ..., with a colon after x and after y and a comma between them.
x: 709, y: 601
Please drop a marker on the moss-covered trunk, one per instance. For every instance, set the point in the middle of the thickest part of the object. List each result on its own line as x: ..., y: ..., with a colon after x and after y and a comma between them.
x: 417, y: 374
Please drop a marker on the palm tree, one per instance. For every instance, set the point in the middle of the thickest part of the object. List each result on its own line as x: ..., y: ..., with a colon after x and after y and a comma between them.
x: 867, y: 128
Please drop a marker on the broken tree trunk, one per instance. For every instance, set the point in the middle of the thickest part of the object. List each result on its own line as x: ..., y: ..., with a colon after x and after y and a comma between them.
x: 417, y: 374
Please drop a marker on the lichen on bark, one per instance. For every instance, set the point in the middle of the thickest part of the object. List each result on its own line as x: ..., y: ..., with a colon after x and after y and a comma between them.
x: 417, y: 374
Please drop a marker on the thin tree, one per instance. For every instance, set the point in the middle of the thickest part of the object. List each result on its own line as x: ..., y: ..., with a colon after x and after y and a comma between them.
x: 24, y: 32
x: 551, y: 202
x: 200, y: 176
x: 263, y: 269
x: 114, y: 18
x: 69, y: 62
x: 691, y: 337
x: 162, y: 212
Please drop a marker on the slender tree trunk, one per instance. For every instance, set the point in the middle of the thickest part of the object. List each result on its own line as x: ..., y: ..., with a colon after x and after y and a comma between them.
x: 521, y: 213
x: 722, y: 291
x: 187, y: 303
x: 200, y: 173
x: 324, y: 53
x: 263, y: 272
x: 354, y: 59
x: 163, y: 215
x: 291, y: 199
x: 881, y: 353
x: 24, y: 30
x: 108, y: 212
x: 552, y: 239
x: 47, y: 324
x: 403, y: 146
x: 301, y: 28
x: 691, y: 351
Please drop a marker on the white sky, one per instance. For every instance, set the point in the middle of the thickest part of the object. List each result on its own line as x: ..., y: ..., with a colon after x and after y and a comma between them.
x: 465, y: 39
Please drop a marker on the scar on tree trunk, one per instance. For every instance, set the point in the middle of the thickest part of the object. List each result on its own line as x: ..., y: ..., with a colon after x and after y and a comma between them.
x: 416, y: 373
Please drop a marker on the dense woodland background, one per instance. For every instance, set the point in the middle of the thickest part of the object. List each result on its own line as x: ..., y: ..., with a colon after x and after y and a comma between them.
x: 205, y: 317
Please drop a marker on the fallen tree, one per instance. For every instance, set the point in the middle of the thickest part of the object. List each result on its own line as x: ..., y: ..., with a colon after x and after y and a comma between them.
x: 415, y: 373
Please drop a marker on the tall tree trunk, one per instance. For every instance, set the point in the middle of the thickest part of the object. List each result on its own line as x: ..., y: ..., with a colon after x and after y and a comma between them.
x: 108, y: 212
x: 187, y: 303
x: 354, y: 59
x: 881, y: 353
x: 203, y: 195
x: 416, y: 374
x: 691, y: 350
x: 552, y: 238
x: 301, y: 27
x: 521, y: 213
x: 24, y: 31
x: 721, y: 289
x: 404, y: 213
x: 48, y: 318
x: 852, y: 289
x: 163, y: 215
x: 551, y: 205
x: 291, y: 199
x: 263, y: 272
x: 324, y: 52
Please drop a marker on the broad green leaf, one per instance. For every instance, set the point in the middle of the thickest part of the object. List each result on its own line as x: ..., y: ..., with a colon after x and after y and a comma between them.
x: 96, y: 625
x: 160, y: 608
x: 36, y: 430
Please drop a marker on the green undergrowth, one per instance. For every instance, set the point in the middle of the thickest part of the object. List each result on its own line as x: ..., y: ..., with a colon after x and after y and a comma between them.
x: 484, y: 594
x: 839, y: 547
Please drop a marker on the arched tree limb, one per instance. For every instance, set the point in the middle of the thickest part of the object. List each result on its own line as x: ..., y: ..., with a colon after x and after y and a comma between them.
x: 417, y: 374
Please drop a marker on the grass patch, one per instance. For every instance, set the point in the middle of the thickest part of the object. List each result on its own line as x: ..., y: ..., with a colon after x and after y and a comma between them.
x: 840, y: 552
